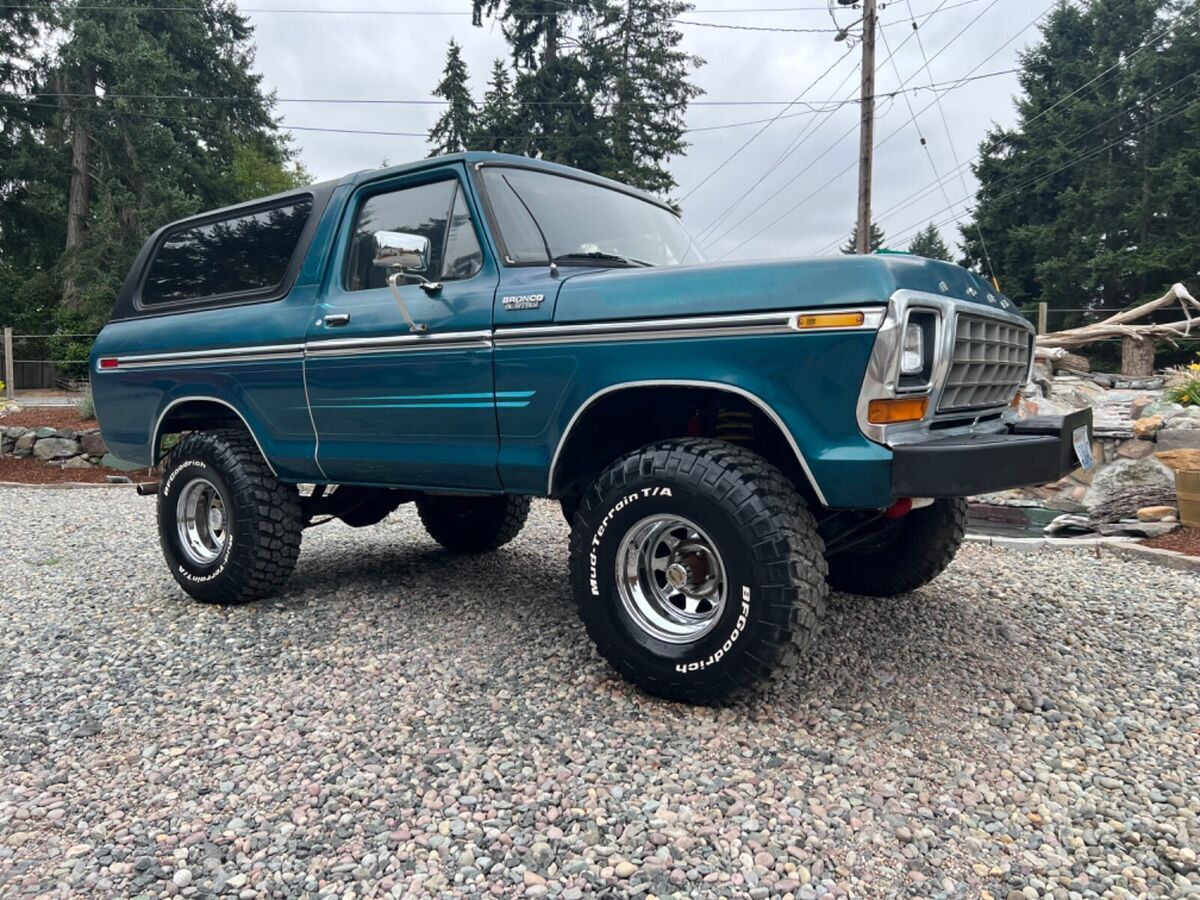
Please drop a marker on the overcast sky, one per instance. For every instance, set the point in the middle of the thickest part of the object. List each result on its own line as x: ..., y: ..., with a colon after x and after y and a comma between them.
x: 401, y: 57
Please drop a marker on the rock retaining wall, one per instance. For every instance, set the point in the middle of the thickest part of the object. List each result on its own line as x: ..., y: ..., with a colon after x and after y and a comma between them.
x: 62, y: 447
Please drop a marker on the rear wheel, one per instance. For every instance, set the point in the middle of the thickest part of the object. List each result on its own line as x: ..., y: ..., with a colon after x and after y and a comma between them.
x: 696, y: 568
x: 909, y: 552
x: 230, y: 531
x: 473, y: 524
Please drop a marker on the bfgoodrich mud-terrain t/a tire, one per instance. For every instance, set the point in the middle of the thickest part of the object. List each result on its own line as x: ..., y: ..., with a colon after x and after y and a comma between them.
x: 910, y: 552
x: 473, y: 524
x: 230, y: 531
x: 695, y: 567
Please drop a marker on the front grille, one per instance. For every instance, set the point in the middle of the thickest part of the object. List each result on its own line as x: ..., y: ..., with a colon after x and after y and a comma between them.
x: 990, y: 360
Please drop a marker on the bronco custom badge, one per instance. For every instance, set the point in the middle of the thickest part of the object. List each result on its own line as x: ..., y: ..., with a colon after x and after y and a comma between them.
x: 523, y: 301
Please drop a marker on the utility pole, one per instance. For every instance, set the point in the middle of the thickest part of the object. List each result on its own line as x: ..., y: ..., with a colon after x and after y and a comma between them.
x: 866, y: 133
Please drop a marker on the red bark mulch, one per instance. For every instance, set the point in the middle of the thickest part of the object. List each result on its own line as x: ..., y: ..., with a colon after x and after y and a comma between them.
x: 63, y: 417
x: 27, y: 470
x: 1182, y: 540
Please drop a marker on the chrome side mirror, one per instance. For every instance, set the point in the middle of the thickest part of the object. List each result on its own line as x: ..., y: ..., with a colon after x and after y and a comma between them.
x: 399, y: 252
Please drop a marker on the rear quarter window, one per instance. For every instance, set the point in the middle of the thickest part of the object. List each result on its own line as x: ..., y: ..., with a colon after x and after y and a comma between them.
x: 238, y: 257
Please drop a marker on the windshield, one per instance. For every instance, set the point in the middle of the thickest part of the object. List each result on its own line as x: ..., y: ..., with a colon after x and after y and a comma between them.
x: 544, y: 217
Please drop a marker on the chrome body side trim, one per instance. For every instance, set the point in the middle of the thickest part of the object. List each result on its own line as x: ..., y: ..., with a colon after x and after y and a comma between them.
x: 679, y: 328
x: 715, y: 385
x: 154, y: 436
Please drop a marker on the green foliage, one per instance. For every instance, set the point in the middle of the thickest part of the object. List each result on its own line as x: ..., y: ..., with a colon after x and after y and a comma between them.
x: 147, y: 161
x: 928, y: 243
x: 1090, y: 199
x: 259, y: 172
x: 84, y: 405
x: 877, y: 240
x: 1185, y: 388
x: 452, y: 132
x: 598, y: 84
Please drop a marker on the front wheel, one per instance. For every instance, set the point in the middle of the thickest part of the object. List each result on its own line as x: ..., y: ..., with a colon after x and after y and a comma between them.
x: 230, y: 531
x: 695, y: 567
x: 909, y: 552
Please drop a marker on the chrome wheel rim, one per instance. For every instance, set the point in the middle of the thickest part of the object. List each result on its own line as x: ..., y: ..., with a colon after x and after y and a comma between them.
x: 671, y: 579
x: 201, y: 522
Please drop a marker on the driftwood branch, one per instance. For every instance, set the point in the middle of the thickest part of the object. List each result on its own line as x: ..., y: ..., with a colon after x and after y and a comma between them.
x: 1119, y: 325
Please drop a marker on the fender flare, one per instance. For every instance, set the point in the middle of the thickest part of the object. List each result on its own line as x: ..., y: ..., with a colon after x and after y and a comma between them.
x: 762, y: 405
x: 155, y: 435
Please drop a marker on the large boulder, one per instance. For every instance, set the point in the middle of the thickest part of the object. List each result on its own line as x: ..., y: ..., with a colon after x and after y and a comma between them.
x: 92, y: 444
x: 55, y: 448
x: 1124, y: 486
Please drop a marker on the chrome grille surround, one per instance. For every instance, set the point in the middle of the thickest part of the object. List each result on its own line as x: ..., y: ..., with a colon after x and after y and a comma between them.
x: 990, y: 362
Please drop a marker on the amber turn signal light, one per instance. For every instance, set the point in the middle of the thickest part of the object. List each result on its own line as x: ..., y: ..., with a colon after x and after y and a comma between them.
x: 905, y: 409
x: 830, y: 320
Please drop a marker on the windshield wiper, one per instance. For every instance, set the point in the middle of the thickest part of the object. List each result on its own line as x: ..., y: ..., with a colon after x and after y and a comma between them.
x: 597, y: 256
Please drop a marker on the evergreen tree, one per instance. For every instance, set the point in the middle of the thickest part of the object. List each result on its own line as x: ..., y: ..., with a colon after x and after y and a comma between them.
x: 928, y: 243
x: 600, y: 84
x: 497, y: 122
x: 876, y: 241
x: 110, y: 162
x: 1086, y: 199
x: 648, y: 92
x: 451, y: 133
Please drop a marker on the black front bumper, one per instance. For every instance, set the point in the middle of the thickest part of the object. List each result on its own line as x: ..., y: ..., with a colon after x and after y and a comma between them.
x: 1037, y: 450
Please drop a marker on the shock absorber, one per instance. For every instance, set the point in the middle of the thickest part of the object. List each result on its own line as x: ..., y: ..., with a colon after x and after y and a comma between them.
x: 735, y: 426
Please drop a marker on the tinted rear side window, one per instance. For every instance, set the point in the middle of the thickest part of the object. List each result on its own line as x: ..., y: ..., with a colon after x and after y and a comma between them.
x: 244, y: 254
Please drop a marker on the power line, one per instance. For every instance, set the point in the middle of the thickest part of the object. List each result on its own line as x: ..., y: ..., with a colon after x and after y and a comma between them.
x: 911, y: 199
x: 767, y: 125
x: 437, y: 101
x: 1072, y: 163
x: 1020, y: 32
x: 799, y: 141
x: 796, y: 206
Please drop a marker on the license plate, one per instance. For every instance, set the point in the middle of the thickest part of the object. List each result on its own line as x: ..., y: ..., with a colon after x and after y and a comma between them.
x: 1083, y: 448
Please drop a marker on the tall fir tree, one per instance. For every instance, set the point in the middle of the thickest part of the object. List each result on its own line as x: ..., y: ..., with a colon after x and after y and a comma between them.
x: 1084, y: 202
x: 928, y: 243
x: 877, y: 240
x: 497, y: 124
x: 600, y: 84
x: 452, y: 132
x: 119, y: 154
x: 648, y: 91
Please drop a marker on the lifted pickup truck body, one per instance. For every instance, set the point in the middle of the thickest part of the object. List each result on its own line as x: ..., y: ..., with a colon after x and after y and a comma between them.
x: 502, y: 366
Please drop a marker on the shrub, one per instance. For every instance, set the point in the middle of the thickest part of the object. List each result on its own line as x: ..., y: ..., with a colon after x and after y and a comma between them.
x: 84, y: 405
x: 1184, y: 385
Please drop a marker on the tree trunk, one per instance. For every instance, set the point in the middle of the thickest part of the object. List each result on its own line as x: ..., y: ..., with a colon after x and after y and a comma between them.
x: 79, y: 198
x: 1137, y: 356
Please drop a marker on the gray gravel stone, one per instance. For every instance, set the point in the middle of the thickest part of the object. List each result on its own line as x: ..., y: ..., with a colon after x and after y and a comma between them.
x: 404, y: 722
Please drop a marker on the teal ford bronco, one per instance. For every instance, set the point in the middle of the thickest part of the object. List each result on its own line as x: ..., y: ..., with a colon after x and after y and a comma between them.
x: 727, y: 441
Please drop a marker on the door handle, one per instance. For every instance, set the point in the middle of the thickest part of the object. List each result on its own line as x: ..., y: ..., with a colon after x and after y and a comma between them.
x: 337, y: 319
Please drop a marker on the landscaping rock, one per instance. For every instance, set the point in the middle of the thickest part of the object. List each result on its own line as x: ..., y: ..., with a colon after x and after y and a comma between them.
x: 1133, y: 528
x: 45, y: 432
x: 24, y: 444
x: 1179, y: 439
x: 1155, y: 513
x: 77, y: 462
x: 55, y: 448
x: 1121, y: 488
x: 1135, y: 448
x: 1147, y: 427
x: 1140, y: 403
x: 92, y: 443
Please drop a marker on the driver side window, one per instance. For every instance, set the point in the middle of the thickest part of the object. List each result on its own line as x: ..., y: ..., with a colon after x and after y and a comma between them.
x: 436, y: 211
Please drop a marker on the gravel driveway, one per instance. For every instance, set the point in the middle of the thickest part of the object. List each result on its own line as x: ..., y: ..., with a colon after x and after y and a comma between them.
x: 410, y: 722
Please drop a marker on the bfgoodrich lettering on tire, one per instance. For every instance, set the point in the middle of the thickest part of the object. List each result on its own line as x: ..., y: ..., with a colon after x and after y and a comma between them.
x: 695, y: 566
x: 229, y: 530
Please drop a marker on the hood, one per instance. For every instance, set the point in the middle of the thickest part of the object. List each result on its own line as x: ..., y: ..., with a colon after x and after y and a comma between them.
x: 735, y: 287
